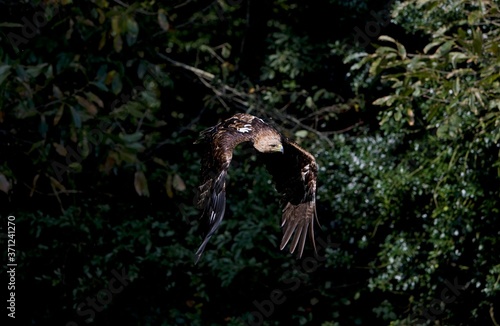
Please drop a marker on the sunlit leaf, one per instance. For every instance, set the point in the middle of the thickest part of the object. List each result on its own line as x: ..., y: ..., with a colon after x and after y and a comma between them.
x: 102, y: 42
x: 57, y: 92
x: 226, y: 50
x: 75, y: 166
x: 387, y: 39
x: 4, y: 184
x: 159, y: 161
x: 33, y: 184
x: 386, y: 100
x: 56, y: 184
x: 301, y: 133
x: 163, y: 20
x: 141, y: 184
x: 94, y: 98
x: 60, y: 149
x: 168, y: 186
x: 474, y: 17
x: 457, y: 57
x: 132, y: 31
x: 445, y: 48
x: 432, y: 45
x: 310, y: 102
x: 477, y: 41
x: 59, y: 114
x: 178, y: 183
x: 117, y: 43
x: 411, y: 117
x: 115, y: 25
x: 401, y: 50
x: 374, y: 66
x: 89, y: 106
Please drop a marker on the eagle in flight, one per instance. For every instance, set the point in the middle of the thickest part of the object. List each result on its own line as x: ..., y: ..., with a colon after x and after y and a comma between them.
x: 293, y: 169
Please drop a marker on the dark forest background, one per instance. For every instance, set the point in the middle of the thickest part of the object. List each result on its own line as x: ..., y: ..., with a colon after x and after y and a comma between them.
x: 399, y: 101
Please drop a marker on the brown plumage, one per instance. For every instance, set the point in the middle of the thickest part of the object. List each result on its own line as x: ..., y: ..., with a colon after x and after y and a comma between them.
x: 293, y: 169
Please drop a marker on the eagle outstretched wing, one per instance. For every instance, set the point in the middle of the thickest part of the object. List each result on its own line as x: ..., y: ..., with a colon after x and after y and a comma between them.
x: 212, y: 200
x: 294, y: 173
x: 218, y: 142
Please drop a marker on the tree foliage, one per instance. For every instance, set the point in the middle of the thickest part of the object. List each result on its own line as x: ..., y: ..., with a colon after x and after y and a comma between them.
x: 101, y: 101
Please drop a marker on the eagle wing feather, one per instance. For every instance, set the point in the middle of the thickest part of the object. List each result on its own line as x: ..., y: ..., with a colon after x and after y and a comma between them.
x: 219, y: 142
x: 294, y: 173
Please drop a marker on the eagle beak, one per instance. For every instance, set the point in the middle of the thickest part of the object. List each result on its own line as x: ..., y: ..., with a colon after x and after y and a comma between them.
x: 281, y: 149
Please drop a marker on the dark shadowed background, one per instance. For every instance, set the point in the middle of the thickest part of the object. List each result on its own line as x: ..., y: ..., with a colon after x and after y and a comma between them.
x: 100, y: 102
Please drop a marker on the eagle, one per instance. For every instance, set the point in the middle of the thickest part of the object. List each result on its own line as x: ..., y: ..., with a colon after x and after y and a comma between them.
x: 293, y: 169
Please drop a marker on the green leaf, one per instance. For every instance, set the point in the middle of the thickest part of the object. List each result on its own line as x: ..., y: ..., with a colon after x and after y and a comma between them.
x: 75, y: 166
x: 4, y: 72
x: 94, y: 98
x: 457, y: 57
x: 59, y: 114
x: 456, y: 86
x: 445, y: 48
x: 356, y: 55
x: 442, y: 131
x: 77, y: 119
x: 387, y: 39
x: 301, y: 133
x: 11, y: 25
x: 374, y: 66
x: 130, y: 138
x: 310, y: 103
x: 34, y: 71
x: 386, y: 100
x: 116, y: 84
x: 477, y: 41
x: 226, y: 50
x: 398, y: 115
x: 385, y: 49
x: 142, y: 68
x: 474, y: 17
x: 132, y: 31
x: 118, y: 43
x: 115, y: 25
x: 401, y: 50
x: 89, y: 106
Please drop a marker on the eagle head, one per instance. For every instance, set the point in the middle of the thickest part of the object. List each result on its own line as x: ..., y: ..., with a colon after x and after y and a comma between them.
x: 268, y: 141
